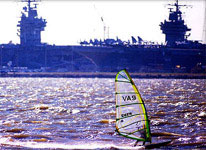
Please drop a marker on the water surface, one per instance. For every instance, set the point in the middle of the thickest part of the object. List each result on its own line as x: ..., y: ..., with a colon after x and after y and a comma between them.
x: 79, y: 113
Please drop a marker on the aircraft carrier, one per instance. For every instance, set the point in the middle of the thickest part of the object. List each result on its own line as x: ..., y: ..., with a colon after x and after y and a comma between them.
x: 178, y: 55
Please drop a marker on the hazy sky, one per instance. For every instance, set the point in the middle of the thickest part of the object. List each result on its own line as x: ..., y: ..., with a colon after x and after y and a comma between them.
x: 71, y: 21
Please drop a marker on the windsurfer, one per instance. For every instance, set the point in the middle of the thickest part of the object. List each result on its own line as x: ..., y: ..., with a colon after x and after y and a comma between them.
x: 131, y: 116
x: 138, y: 142
x: 143, y: 135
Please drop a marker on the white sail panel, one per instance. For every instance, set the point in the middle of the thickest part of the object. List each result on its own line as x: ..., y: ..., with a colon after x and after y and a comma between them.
x: 131, y: 118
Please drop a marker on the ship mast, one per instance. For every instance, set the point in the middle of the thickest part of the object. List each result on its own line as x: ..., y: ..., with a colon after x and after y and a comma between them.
x: 177, y: 6
x: 29, y: 4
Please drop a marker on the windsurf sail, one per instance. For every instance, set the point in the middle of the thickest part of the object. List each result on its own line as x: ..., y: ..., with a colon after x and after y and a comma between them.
x: 131, y: 116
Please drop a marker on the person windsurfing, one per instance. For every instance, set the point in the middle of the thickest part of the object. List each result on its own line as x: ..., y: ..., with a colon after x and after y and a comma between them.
x: 131, y: 115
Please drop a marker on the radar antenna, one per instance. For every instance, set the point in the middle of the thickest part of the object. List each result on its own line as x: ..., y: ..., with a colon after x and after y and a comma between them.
x: 30, y: 1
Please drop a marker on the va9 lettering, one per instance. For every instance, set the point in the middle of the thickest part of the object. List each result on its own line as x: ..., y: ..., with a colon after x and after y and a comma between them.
x: 129, y: 98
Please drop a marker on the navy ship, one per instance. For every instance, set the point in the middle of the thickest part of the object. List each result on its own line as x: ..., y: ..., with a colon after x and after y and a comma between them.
x: 178, y: 55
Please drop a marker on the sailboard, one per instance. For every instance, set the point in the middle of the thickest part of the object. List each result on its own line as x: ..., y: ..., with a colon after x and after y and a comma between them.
x: 131, y: 115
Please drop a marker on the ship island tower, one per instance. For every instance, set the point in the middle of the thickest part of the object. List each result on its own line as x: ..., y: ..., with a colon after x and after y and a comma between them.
x: 30, y: 26
x: 175, y: 28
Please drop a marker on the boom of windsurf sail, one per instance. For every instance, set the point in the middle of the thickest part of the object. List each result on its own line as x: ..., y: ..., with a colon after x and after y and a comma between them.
x: 131, y: 116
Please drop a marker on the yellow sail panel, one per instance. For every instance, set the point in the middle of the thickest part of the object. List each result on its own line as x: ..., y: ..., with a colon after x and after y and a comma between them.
x: 131, y: 116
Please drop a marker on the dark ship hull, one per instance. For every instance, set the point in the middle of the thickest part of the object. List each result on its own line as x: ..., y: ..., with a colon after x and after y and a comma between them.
x: 140, y: 58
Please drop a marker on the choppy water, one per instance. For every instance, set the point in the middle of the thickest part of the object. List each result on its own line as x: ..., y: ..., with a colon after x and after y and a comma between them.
x: 79, y: 113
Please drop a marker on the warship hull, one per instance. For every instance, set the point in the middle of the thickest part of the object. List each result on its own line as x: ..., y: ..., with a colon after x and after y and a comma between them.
x: 140, y: 59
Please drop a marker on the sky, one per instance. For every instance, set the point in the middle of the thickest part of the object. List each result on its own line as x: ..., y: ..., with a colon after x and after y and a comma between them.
x: 72, y: 21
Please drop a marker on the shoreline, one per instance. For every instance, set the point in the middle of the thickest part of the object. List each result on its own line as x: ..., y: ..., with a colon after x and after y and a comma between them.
x: 104, y: 75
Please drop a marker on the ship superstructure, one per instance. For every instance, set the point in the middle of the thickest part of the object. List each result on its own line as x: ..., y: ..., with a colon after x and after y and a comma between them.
x: 175, y: 28
x: 30, y: 26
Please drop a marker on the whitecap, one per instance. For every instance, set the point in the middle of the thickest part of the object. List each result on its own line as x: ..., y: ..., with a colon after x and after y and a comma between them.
x: 184, y: 139
x: 202, y: 114
x: 75, y: 111
x: 179, y: 104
